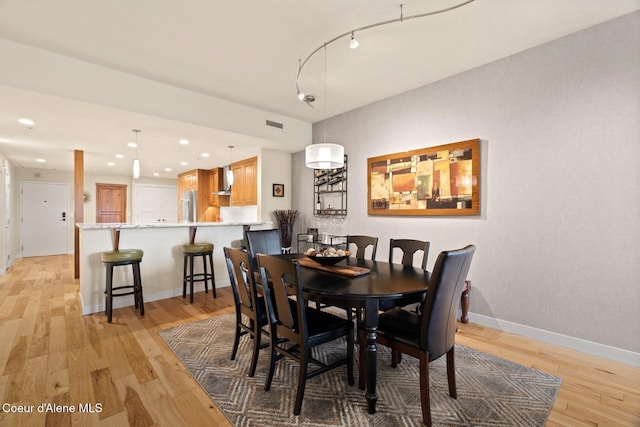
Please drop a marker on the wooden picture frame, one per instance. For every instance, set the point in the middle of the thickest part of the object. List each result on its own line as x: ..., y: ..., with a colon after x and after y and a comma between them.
x: 441, y: 180
x: 278, y: 190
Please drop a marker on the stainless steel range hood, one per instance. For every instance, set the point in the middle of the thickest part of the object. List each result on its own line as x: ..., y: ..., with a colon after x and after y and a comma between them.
x: 225, y: 188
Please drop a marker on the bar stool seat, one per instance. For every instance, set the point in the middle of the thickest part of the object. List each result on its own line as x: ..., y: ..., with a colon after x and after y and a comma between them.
x: 189, y: 252
x: 121, y: 257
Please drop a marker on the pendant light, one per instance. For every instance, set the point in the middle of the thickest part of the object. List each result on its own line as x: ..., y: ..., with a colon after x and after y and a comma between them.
x: 230, y: 171
x: 136, y: 162
x: 324, y: 155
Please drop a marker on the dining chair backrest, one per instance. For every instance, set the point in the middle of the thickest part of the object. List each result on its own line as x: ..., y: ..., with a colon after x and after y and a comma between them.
x: 409, y: 247
x: 362, y: 243
x: 241, y: 278
x: 438, y: 324
x: 284, y: 281
x: 262, y: 242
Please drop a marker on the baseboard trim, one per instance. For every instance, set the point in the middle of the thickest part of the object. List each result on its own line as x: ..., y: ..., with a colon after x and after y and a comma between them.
x: 578, y: 344
x: 148, y: 297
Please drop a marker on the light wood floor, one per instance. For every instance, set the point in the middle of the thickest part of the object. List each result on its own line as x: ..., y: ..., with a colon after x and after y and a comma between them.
x: 50, y: 354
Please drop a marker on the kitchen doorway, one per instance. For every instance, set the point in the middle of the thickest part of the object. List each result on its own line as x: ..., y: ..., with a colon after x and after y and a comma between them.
x: 111, y: 203
x: 44, y: 208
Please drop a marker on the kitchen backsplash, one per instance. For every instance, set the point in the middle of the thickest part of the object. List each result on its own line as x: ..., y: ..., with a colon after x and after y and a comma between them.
x: 235, y: 214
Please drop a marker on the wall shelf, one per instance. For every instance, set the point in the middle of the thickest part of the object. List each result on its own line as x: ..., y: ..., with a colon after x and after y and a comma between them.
x: 330, y: 191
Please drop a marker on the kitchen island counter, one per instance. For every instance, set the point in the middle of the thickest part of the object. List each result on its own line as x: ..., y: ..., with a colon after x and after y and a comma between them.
x: 161, y: 266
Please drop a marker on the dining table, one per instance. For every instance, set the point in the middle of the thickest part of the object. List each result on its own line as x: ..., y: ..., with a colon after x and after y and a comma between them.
x: 363, y: 284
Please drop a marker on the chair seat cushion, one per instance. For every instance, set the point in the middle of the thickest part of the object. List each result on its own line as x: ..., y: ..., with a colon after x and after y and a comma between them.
x: 400, y: 324
x: 319, y: 322
x: 122, y: 255
x: 197, y: 248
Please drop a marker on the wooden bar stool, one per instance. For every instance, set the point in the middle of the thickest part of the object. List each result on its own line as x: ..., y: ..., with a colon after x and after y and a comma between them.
x: 189, y: 252
x: 116, y: 258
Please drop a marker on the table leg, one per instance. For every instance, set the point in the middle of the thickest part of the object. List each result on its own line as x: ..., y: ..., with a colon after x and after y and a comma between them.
x: 464, y: 302
x: 370, y: 324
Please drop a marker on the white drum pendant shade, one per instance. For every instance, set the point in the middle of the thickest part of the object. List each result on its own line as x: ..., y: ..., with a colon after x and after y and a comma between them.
x: 324, y: 156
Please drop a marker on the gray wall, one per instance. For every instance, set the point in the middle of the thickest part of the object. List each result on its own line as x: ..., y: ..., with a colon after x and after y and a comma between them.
x: 560, y: 129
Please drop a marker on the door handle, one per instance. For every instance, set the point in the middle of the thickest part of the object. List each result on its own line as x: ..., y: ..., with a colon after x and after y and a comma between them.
x: 64, y: 216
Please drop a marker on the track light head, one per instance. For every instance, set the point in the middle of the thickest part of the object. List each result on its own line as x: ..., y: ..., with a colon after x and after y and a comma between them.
x: 354, y: 43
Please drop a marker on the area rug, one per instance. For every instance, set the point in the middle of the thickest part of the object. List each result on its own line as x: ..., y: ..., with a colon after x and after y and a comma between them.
x: 491, y: 391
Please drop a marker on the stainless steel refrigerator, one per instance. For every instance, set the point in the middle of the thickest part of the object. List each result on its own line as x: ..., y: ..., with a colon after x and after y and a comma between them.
x: 189, y: 206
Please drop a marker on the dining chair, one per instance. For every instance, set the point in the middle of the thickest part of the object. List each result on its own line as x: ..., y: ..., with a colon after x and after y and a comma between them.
x: 249, y: 305
x: 295, y: 328
x: 362, y: 243
x: 430, y: 334
x: 409, y: 249
x: 262, y: 242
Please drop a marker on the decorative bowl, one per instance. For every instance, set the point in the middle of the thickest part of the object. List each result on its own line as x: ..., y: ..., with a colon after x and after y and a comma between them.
x: 328, y: 260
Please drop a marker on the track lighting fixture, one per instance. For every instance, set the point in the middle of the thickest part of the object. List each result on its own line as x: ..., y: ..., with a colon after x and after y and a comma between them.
x: 354, y: 43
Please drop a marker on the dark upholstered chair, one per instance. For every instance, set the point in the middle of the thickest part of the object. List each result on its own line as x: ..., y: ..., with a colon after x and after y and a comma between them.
x: 262, y: 242
x: 362, y: 243
x: 431, y: 333
x: 247, y: 303
x: 296, y: 328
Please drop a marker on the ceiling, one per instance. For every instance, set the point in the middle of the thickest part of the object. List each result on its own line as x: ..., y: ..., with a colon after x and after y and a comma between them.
x: 248, y: 53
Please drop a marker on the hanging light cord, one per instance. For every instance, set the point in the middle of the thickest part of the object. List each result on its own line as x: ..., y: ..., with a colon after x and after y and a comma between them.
x: 401, y: 18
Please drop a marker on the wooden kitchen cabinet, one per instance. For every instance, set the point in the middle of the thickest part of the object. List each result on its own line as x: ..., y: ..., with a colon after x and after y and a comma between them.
x: 244, y: 191
x: 197, y: 179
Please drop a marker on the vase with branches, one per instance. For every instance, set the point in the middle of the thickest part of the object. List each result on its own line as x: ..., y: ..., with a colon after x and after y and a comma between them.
x: 285, y: 218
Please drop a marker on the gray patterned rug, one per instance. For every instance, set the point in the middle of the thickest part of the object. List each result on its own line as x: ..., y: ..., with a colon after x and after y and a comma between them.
x: 491, y: 391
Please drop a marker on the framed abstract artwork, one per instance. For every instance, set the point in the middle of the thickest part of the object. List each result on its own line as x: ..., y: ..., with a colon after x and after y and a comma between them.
x: 441, y: 180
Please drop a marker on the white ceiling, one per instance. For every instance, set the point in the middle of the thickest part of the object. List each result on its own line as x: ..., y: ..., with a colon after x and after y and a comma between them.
x: 248, y: 53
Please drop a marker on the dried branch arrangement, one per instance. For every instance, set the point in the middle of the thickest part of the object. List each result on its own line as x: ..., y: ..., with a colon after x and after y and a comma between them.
x: 285, y: 218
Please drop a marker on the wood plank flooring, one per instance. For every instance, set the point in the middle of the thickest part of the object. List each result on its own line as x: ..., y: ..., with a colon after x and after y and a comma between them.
x: 123, y: 374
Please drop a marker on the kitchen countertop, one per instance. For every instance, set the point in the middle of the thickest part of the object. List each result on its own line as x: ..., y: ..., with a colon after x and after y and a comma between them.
x: 88, y: 226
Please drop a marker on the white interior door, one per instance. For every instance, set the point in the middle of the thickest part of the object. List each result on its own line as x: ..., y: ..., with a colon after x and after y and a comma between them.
x: 155, y: 203
x: 45, y: 218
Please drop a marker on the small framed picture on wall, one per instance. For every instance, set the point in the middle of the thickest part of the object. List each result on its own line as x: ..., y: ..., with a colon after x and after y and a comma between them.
x: 278, y: 190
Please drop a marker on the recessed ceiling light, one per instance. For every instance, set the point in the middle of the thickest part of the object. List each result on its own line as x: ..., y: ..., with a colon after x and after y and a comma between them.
x: 110, y: 164
x: 40, y: 160
x: 119, y: 156
x: 184, y: 163
x: 167, y: 169
x: 184, y: 141
x: 27, y: 122
x: 156, y: 174
x: 132, y: 145
x: 205, y: 154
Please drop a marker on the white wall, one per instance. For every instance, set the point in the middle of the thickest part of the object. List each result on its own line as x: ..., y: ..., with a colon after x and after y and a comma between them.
x: 557, y: 237
x: 9, y: 244
x: 274, y: 168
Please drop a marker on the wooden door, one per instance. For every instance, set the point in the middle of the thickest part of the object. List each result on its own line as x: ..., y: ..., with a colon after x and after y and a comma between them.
x: 111, y: 203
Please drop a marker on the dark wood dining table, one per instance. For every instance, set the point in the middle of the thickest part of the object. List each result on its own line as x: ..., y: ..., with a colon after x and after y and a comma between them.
x: 385, y: 281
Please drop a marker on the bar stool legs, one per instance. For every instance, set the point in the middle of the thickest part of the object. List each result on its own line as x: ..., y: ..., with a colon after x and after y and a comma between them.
x: 117, y: 258
x: 189, y: 252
